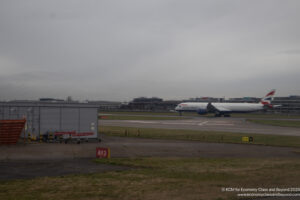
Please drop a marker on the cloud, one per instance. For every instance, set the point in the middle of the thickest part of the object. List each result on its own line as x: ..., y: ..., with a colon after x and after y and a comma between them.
x: 171, y: 49
x: 291, y: 51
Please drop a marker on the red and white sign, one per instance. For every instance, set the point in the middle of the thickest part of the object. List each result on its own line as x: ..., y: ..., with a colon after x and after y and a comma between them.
x: 102, y: 152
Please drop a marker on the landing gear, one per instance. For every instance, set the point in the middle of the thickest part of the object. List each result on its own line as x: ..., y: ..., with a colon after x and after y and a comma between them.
x: 217, y: 114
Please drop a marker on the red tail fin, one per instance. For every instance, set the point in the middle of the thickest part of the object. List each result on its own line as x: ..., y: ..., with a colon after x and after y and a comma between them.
x: 268, y: 98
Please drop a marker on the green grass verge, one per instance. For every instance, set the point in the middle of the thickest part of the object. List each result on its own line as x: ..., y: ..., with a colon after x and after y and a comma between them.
x: 284, y: 123
x: 124, y: 117
x: 161, y: 178
x: 202, y: 136
x: 265, y: 116
x: 142, y: 113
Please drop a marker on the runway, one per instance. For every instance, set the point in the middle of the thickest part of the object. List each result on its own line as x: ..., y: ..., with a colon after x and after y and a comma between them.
x: 239, y: 125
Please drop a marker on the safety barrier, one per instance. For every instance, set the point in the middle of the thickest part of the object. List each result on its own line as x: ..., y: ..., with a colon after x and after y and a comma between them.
x: 10, y: 130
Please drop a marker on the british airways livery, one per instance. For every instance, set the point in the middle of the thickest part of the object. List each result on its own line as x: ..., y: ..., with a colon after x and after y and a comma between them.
x: 226, y: 108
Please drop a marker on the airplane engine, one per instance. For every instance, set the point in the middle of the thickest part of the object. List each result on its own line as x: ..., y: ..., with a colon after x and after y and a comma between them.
x: 202, y: 111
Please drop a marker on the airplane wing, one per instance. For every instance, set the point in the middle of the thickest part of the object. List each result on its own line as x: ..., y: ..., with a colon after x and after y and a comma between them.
x: 213, y: 107
x: 276, y: 106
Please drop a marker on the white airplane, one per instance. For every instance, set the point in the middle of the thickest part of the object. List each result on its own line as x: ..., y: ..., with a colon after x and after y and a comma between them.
x: 226, y: 109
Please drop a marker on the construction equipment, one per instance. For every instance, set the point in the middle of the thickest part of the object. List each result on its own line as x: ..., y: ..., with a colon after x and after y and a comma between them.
x: 66, y: 136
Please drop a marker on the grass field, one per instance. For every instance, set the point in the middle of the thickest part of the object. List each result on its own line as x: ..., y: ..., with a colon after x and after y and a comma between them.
x: 161, y: 178
x: 284, y: 123
x: 266, y: 116
x: 143, y: 113
x: 203, y: 136
x: 141, y: 117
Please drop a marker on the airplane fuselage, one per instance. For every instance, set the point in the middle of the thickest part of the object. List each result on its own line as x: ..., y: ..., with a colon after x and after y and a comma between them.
x: 220, y: 108
x: 225, y: 108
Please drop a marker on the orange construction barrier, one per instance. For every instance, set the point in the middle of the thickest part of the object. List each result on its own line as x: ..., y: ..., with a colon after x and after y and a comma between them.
x: 10, y: 131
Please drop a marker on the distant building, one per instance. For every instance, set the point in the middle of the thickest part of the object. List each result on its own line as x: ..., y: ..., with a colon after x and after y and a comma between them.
x: 149, y: 104
x: 147, y: 100
x: 289, y: 104
x: 106, y: 105
x: 51, y: 100
x: 204, y: 99
x: 244, y: 100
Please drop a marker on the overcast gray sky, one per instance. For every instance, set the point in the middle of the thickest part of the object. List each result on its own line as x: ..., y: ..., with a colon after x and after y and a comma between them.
x: 118, y: 50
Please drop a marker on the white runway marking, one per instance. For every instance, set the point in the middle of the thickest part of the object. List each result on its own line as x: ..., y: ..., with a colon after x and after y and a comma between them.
x: 202, y: 123
x: 176, y: 123
x: 219, y: 124
x: 143, y: 122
